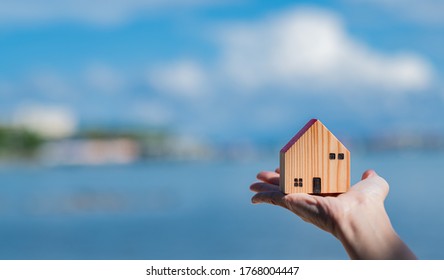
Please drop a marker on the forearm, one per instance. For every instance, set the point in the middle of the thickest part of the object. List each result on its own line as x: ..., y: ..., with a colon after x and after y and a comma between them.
x: 366, y: 233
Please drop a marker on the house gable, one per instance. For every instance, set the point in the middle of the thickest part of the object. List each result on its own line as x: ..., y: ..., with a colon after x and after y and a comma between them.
x: 298, y: 135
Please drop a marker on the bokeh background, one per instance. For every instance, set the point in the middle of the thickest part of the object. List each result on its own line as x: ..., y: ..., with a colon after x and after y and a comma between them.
x: 132, y: 129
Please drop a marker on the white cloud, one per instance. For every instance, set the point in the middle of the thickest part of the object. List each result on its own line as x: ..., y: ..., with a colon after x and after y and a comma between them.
x: 419, y: 11
x: 100, y: 12
x: 183, y: 78
x: 309, y: 48
x: 48, y: 121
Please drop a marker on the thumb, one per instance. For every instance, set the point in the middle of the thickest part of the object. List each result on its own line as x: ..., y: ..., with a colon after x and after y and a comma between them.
x: 372, y: 184
x: 368, y: 173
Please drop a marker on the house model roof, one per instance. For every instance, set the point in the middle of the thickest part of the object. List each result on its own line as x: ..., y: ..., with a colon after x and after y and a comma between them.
x: 298, y: 135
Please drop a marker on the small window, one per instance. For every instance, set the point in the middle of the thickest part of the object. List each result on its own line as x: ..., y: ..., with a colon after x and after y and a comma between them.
x: 332, y: 156
x: 340, y: 156
x: 297, y: 182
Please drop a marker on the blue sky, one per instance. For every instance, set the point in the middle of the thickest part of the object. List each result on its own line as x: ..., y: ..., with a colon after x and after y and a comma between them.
x: 230, y: 70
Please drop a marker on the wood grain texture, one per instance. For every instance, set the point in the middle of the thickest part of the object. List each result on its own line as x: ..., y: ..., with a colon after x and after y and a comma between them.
x: 309, y: 157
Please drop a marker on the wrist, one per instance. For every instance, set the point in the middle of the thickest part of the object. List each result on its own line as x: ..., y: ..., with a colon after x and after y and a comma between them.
x: 366, y: 232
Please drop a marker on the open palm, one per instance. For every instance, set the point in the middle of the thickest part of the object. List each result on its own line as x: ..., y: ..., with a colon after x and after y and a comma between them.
x: 322, y: 211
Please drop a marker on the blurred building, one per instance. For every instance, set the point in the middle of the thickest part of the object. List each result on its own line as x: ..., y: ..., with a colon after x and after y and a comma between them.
x: 90, y: 152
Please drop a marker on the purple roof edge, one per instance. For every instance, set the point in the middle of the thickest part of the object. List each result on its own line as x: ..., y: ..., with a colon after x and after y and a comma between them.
x: 298, y: 135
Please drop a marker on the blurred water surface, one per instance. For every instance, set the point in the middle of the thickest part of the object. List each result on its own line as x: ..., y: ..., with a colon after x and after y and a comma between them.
x: 195, y: 210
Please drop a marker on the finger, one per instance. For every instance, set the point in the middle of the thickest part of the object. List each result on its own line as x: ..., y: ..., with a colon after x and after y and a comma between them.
x: 269, y: 177
x: 372, y: 184
x: 278, y: 170
x: 275, y: 198
x: 368, y: 173
x: 264, y: 187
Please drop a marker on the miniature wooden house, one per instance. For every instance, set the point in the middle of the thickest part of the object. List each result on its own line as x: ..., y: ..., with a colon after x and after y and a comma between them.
x: 314, y: 162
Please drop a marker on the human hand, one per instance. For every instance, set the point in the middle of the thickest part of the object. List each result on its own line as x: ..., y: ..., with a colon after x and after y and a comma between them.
x: 357, y: 218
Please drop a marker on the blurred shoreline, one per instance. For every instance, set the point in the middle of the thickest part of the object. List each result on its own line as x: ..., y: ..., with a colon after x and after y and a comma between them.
x: 102, y: 147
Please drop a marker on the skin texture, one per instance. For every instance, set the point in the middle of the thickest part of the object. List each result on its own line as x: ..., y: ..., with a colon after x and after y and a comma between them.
x: 357, y: 218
